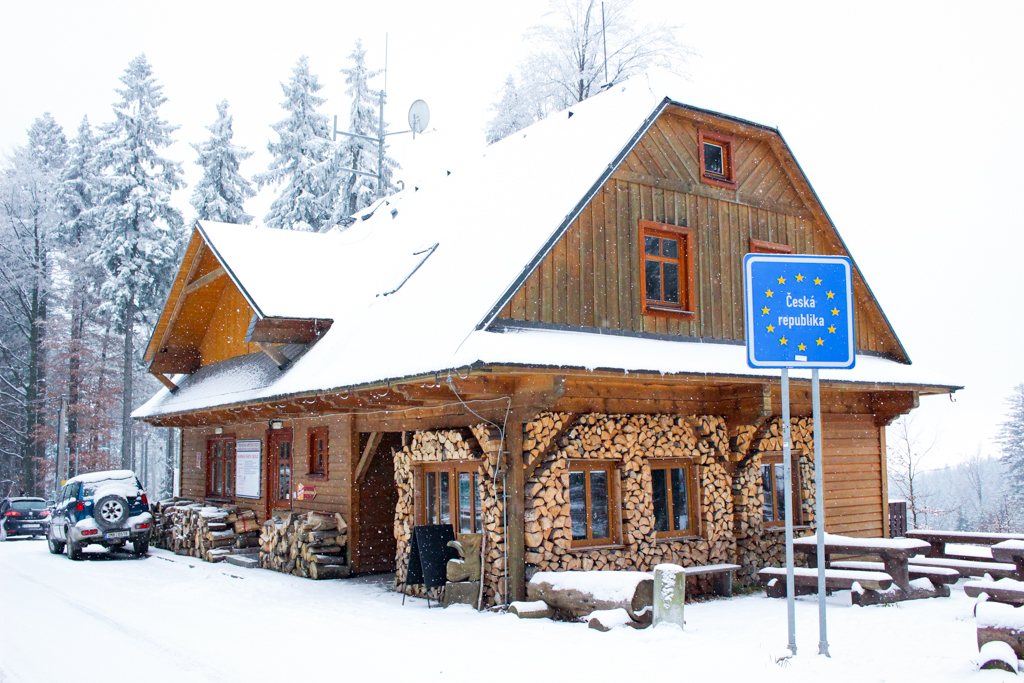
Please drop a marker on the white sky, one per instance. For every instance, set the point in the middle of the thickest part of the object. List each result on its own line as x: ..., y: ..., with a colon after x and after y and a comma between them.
x: 906, y: 118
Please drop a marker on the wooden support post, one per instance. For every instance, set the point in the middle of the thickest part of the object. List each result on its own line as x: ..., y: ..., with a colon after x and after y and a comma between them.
x: 364, y: 462
x: 166, y: 381
x: 347, y: 440
x: 515, y: 533
x: 272, y: 351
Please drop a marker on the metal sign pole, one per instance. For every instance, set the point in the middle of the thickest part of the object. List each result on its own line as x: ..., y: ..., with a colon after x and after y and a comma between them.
x: 819, y: 512
x: 787, y: 472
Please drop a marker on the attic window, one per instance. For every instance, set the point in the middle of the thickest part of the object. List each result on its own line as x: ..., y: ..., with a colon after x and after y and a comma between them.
x: 716, y: 159
x: 667, y: 270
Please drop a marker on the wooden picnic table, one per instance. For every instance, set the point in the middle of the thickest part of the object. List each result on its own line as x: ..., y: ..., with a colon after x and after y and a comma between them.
x: 938, y: 539
x: 895, y: 554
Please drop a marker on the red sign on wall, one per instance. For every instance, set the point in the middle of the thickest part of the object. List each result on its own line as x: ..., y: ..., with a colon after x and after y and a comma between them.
x: 305, y: 492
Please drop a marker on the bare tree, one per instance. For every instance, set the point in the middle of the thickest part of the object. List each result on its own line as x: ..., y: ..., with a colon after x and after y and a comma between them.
x: 573, y: 58
x: 907, y: 449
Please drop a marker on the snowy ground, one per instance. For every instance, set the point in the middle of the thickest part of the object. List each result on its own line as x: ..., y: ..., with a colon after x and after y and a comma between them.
x: 170, y: 618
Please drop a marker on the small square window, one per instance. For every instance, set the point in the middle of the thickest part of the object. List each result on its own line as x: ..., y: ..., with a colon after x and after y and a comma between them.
x: 716, y: 159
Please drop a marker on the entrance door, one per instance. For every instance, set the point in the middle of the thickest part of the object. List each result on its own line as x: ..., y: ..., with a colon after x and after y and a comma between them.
x: 377, y: 496
x: 279, y: 470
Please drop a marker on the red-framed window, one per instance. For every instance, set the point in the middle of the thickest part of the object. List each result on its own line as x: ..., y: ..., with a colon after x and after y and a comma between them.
x: 716, y: 159
x: 318, y: 452
x: 220, y: 466
x: 667, y: 270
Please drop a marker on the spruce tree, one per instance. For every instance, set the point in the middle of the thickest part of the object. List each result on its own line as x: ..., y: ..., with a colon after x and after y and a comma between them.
x: 359, y: 191
x: 140, y: 229
x: 79, y: 193
x: 1011, y: 438
x: 511, y: 113
x: 301, y: 158
x: 220, y: 194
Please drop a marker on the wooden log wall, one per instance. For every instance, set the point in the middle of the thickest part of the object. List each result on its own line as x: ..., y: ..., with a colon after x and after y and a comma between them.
x: 441, y: 446
x: 633, y: 440
x: 757, y: 546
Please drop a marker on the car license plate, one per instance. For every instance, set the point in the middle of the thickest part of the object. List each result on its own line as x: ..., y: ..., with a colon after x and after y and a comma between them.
x: 30, y: 526
x: 116, y: 534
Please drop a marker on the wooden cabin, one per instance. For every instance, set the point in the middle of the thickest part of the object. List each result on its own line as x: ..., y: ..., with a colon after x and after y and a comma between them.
x: 546, y: 347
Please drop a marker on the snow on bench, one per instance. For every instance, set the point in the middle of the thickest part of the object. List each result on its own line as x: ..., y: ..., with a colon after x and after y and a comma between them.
x: 1008, y: 591
x: 937, y: 575
x: 1000, y: 622
x: 723, y: 580
x: 969, y: 552
x: 835, y: 579
x: 969, y: 567
x: 581, y: 592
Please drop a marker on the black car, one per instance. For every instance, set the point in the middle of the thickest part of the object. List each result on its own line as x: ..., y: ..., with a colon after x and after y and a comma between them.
x: 25, y: 516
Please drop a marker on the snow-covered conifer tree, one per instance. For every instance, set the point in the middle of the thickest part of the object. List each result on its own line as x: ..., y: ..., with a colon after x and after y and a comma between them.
x: 302, y: 158
x: 511, y: 113
x: 28, y: 220
x: 222, y: 191
x: 1011, y: 438
x: 140, y: 229
x: 359, y: 191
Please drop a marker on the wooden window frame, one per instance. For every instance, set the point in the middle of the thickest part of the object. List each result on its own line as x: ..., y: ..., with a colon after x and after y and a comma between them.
x: 762, y: 247
x: 613, y: 468
x: 692, y: 495
x: 686, y: 309
x: 776, y: 458
x: 227, y: 463
x: 453, y: 468
x: 726, y: 142
x: 274, y: 439
x: 312, y: 435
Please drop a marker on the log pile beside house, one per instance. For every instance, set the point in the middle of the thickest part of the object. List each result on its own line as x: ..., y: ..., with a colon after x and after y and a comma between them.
x: 207, y: 532
x: 758, y: 546
x: 311, y: 545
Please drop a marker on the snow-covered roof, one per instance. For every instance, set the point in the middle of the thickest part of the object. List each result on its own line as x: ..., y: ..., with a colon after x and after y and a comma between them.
x: 410, y: 288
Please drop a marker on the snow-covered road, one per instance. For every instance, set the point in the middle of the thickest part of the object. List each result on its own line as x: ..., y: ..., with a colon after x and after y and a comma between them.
x: 170, y: 618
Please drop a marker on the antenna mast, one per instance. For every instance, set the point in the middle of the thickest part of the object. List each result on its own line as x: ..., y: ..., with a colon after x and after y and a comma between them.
x: 604, y: 39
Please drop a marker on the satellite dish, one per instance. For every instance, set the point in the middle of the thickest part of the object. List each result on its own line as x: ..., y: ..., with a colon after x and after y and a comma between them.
x: 419, y: 116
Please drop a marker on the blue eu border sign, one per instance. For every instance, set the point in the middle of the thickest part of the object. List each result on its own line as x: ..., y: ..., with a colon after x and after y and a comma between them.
x: 799, y: 311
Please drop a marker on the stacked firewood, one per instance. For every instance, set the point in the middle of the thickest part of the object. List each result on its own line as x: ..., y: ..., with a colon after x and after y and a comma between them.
x: 758, y: 547
x: 163, y: 512
x: 632, y: 440
x: 311, y: 545
x: 208, y: 532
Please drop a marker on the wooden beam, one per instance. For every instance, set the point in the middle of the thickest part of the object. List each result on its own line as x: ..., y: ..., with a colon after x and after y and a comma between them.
x: 166, y: 381
x: 275, y: 354
x: 175, y: 361
x: 287, y: 330
x: 368, y: 453
x: 515, y: 532
x: 201, y: 282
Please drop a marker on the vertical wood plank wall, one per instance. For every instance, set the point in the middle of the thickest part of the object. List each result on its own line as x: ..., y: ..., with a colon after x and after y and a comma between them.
x: 332, y: 494
x: 225, y: 336
x: 854, y: 493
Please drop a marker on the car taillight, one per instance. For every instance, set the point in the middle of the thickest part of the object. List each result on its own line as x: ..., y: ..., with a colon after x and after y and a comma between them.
x: 145, y: 501
x: 45, y: 513
x: 90, y: 532
x: 80, y: 506
x: 12, y: 513
x: 144, y: 525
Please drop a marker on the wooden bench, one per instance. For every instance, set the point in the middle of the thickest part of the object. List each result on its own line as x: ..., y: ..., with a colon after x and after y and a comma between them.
x: 722, y: 576
x: 999, y: 570
x: 939, y: 539
x: 937, y: 575
x: 1007, y: 591
x: 805, y: 581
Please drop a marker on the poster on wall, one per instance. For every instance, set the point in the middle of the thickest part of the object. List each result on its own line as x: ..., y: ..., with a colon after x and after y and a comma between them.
x: 247, y: 468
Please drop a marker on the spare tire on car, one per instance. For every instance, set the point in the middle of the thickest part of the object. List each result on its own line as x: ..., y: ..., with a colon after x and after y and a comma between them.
x: 110, y: 511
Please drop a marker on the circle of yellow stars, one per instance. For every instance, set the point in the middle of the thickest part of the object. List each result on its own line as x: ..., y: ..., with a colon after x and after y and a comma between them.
x: 830, y: 295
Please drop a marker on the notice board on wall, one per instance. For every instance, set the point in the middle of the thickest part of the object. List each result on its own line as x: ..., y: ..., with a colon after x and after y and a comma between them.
x: 247, y: 468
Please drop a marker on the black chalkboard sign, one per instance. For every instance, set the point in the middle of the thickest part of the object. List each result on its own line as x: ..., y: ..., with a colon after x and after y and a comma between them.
x: 429, y: 555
